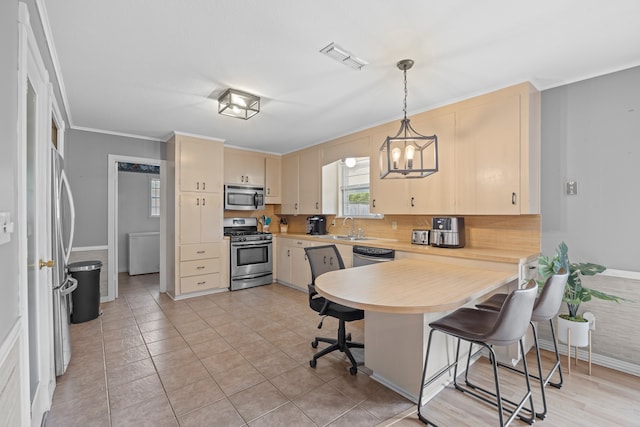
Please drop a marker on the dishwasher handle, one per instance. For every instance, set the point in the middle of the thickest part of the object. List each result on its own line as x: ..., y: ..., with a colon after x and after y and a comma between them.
x: 372, y: 258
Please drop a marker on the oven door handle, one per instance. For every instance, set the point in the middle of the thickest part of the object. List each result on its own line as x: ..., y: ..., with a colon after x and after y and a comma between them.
x: 247, y: 244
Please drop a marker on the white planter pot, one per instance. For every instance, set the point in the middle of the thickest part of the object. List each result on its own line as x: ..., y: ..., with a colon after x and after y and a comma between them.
x: 579, y: 332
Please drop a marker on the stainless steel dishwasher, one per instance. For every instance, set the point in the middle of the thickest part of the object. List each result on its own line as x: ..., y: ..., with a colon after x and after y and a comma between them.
x: 365, y: 255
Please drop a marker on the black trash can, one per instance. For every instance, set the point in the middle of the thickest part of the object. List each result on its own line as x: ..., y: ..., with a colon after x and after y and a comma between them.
x: 86, y: 297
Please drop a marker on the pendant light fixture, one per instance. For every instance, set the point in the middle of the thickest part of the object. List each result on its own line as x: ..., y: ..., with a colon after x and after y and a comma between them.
x: 408, y: 154
x: 235, y: 103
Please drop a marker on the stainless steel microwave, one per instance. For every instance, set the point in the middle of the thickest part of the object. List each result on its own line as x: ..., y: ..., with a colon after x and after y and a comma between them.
x: 243, y: 197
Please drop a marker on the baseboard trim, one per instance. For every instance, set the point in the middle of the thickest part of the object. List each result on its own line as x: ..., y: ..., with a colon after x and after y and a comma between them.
x: 598, y: 359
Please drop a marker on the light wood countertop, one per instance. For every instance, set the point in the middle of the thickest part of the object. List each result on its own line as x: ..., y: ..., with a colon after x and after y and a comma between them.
x: 479, y: 254
x: 410, y: 286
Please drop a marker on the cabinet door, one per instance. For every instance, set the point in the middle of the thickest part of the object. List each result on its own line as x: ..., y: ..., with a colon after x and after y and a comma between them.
x: 200, y: 216
x: 243, y: 168
x: 388, y: 196
x: 211, y: 217
x: 190, y: 218
x: 488, y: 157
x: 290, y: 185
x: 200, y: 164
x: 272, y: 180
x: 284, y: 261
x: 300, y: 269
x: 435, y: 194
x: 310, y: 177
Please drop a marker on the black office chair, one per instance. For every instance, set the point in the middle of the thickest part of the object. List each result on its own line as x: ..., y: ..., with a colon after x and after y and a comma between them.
x: 486, y: 328
x: 545, y: 309
x: 323, y: 259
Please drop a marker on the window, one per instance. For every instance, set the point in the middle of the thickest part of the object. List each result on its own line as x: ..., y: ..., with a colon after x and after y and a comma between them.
x: 154, y: 197
x: 345, y: 188
x: 354, y: 188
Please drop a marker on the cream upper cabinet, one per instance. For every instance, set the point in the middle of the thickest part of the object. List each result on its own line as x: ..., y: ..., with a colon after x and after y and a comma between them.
x: 498, y: 154
x: 310, y: 182
x: 290, y: 204
x: 430, y: 195
x: 200, y: 164
x: 301, y: 183
x: 243, y: 167
x: 272, y: 180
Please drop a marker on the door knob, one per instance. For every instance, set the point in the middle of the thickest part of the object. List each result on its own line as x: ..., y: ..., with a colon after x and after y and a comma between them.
x: 48, y: 264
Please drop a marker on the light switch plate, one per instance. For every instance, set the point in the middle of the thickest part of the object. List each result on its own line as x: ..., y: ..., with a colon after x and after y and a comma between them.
x: 6, y: 227
x: 572, y: 188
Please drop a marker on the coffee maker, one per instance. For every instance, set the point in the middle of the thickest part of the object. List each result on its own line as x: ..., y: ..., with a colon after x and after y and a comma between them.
x: 316, y: 225
x: 447, y: 232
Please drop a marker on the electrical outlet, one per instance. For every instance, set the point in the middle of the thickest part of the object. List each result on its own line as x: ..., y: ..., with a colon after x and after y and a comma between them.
x: 333, y: 223
x: 394, y: 225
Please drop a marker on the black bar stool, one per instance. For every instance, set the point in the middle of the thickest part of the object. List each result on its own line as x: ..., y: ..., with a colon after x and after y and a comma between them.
x: 545, y: 308
x: 486, y: 328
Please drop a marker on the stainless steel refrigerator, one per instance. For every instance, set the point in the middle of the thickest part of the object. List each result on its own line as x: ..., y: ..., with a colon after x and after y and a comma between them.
x: 62, y: 230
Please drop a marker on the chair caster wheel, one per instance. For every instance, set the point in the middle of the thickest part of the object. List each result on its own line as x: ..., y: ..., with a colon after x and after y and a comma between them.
x: 353, y: 370
x: 313, y: 363
x: 314, y: 343
x: 348, y: 336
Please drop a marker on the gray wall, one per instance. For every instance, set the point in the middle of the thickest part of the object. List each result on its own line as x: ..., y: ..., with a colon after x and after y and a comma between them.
x: 9, y: 280
x: 133, y: 212
x: 87, y: 155
x: 591, y: 134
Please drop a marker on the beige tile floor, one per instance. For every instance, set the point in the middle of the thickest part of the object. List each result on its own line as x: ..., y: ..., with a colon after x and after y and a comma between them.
x: 230, y: 359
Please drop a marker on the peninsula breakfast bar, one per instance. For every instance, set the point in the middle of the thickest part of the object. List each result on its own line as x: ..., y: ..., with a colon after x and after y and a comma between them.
x: 400, y: 299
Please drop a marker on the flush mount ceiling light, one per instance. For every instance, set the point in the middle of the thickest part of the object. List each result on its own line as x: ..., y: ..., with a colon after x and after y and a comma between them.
x: 347, y: 58
x: 408, y: 154
x: 235, y: 103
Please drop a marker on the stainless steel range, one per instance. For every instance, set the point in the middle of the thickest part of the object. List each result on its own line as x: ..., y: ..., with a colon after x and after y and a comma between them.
x: 251, y: 253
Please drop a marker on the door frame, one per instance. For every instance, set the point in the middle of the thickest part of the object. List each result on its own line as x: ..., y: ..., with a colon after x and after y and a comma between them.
x: 112, y: 222
x: 31, y: 67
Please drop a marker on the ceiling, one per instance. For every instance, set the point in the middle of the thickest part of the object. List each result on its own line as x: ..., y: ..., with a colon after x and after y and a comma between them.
x: 148, y: 68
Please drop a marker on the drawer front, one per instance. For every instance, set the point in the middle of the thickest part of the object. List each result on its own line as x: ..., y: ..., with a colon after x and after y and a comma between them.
x: 198, y: 267
x: 199, y: 251
x: 200, y: 283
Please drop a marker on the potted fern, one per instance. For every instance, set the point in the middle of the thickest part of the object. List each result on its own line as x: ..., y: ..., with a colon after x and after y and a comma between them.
x: 574, y: 293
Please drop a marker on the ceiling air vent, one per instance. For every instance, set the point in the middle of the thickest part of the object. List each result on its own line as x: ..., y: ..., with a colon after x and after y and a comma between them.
x: 347, y: 58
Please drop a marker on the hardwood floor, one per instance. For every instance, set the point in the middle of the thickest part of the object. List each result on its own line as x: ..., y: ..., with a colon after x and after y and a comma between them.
x: 606, y: 398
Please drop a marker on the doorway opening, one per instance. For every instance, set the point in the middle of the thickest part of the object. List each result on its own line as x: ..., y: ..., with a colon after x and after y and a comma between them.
x: 131, y: 210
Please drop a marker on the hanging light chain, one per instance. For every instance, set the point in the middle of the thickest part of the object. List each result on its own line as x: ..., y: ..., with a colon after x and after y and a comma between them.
x: 406, y: 92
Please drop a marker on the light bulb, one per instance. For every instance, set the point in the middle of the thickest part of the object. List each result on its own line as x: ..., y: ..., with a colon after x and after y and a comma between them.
x: 350, y: 162
x: 409, y: 152
x: 395, y: 156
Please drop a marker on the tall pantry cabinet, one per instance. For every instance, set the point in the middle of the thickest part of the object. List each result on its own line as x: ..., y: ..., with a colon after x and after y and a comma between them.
x: 194, y: 206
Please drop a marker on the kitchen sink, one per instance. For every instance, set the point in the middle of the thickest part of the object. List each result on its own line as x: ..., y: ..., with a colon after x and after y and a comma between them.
x: 344, y: 237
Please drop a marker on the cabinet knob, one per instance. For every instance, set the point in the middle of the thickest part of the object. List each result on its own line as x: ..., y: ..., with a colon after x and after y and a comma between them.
x: 268, y: 191
x: 296, y: 206
x: 203, y: 201
x: 197, y: 185
x: 514, y: 198
x: 412, y: 202
x: 204, y: 185
x: 373, y: 203
x: 317, y: 204
x: 197, y: 201
x: 288, y: 252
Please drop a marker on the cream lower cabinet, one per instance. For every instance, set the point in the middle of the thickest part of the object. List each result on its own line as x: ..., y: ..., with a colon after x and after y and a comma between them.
x: 293, y: 267
x: 201, y: 267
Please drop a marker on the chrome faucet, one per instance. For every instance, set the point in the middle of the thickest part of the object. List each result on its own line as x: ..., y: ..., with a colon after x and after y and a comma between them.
x: 353, y: 225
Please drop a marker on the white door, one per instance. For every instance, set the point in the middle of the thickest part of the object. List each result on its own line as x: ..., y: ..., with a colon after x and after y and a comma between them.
x: 35, y: 119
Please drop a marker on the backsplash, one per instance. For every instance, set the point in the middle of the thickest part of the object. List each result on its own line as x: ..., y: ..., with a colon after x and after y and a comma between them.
x: 511, y: 232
